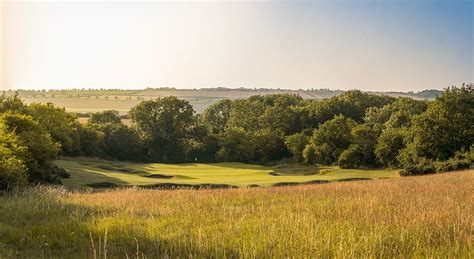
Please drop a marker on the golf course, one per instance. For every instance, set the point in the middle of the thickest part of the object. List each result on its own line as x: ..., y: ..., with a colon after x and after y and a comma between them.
x: 94, y: 172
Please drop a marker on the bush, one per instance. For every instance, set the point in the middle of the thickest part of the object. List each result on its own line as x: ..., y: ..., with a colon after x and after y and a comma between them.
x: 295, y: 144
x: 12, y: 170
x: 427, y: 166
x: 309, y: 154
x: 60, y: 172
x: 424, y: 166
x: 452, y: 165
x: 39, y: 149
x: 351, y: 157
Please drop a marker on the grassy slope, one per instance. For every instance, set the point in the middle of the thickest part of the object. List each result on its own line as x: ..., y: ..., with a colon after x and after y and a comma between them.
x: 90, y: 171
x: 426, y: 216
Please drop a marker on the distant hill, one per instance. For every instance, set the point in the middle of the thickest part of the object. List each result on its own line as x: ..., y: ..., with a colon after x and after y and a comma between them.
x: 92, y: 100
x: 218, y: 92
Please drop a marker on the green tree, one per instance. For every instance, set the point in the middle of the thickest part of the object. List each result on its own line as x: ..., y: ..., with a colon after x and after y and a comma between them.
x: 389, y: 144
x: 447, y: 125
x: 57, y: 122
x: 215, y: 117
x: 11, y: 103
x: 394, y: 115
x: 91, y: 141
x: 13, y: 172
x: 163, y: 125
x: 236, y: 146
x: 351, y: 104
x: 121, y: 142
x: 105, y: 117
x: 282, y: 114
x: 360, y: 153
x: 269, y: 146
x: 41, y: 150
x: 245, y: 113
x: 330, y: 140
x: 296, y: 143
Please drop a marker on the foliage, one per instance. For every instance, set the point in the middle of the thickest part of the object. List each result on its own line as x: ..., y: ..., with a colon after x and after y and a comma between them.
x: 361, y: 152
x: 105, y: 117
x: 41, y: 150
x: 91, y: 141
x: 282, y: 114
x: 119, y: 142
x: 235, y: 146
x: 447, y: 125
x: 245, y: 113
x: 421, y: 165
x: 330, y: 140
x: 397, y: 114
x: 57, y: 122
x: 11, y: 103
x: 217, y: 115
x: 163, y: 125
x: 269, y: 146
x: 13, y: 172
x: 296, y: 143
x: 445, y: 129
x: 351, y: 104
x: 389, y: 144
x: 352, y: 130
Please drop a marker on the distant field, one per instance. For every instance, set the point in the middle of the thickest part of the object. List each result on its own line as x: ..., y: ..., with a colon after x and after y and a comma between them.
x: 85, y: 172
x: 123, y: 100
x: 84, y: 120
x: 122, y: 105
x: 85, y: 101
x: 405, y: 217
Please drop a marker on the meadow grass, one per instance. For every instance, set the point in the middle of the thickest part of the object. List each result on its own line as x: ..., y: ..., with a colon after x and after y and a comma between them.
x: 424, y: 216
x: 88, y: 171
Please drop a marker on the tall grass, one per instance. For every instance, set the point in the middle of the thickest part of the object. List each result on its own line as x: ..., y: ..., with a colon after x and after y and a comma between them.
x: 428, y: 216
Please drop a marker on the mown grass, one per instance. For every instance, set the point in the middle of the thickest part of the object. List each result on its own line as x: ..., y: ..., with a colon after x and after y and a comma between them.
x: 425, y: 216
x: 87, y: 171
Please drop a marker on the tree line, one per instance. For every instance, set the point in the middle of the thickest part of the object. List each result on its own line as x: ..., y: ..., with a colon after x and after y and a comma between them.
x: 352, y: 130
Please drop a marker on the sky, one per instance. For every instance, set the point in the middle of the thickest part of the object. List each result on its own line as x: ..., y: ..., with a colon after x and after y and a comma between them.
x: 391, y: 45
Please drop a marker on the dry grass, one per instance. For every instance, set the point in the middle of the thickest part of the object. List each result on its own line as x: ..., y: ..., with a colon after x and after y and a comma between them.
x: 428, y: 216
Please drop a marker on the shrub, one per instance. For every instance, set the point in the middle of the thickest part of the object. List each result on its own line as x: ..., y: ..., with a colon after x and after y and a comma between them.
x: 424, y: 166
x: 452, y: 164
x: 39, y: 149
x: 295, y: 144
x: 60, y: 172
x: 12, y: 170
x: 309, y: 154
x: 351, y: 157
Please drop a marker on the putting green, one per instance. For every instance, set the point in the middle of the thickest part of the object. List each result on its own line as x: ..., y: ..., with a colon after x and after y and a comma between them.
x: 88, y: 171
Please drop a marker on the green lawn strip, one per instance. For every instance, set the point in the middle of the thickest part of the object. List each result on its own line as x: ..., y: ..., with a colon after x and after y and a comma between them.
x: 84, y: 172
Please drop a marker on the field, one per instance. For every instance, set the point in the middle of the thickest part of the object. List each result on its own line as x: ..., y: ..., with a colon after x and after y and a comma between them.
x: 86, y: 101
x: 89, y: 100
x: 86, y: 172
x: 424, y: 216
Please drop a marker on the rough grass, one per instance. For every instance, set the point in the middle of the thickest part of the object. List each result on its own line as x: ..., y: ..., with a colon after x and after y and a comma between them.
x: 87, y: 171
x: 424, y: 216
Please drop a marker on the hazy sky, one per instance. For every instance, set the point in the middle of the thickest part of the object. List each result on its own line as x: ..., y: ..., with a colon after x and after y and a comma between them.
x: 371, y: 45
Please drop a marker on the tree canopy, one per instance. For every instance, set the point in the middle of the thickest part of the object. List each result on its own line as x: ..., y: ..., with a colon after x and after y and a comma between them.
x: 354, y: 129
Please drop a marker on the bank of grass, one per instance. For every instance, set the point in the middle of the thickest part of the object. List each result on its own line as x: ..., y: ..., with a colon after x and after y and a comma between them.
x: 424, y: 216
x: 89, y: 171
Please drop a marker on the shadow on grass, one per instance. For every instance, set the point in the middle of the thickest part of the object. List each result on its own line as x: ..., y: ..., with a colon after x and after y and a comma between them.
x: 320, y: 181
x: 164, y: 186
x: 41, y: 223
x: 295, y: 170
